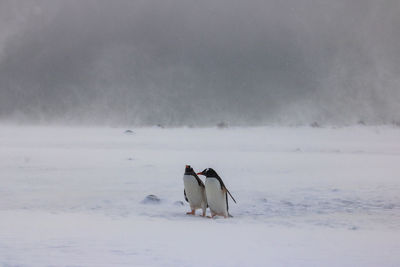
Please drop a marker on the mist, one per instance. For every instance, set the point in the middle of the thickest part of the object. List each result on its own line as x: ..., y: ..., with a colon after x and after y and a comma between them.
x: 196, y: 63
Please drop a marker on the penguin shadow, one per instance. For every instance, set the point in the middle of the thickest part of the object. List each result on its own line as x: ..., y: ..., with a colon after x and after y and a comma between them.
x: 156, y: 207
x: 206, y: 217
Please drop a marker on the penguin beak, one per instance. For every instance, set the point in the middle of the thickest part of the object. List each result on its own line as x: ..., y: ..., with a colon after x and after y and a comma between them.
x: 200, y: 173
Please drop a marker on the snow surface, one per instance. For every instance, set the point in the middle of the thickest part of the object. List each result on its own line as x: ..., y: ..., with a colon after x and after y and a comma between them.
x: 306, y: 197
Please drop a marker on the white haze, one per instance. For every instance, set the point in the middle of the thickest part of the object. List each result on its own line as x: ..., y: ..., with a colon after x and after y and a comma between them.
x: 200, y: 62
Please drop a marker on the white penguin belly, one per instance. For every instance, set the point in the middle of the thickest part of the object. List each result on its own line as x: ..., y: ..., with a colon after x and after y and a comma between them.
x: 216, y: 197
x: 194, y: 192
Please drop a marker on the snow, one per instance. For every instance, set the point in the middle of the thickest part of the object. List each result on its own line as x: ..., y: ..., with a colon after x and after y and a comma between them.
x: 306, y: 196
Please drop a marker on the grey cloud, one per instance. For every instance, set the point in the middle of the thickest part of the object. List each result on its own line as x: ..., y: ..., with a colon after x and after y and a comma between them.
x: 199, y: 62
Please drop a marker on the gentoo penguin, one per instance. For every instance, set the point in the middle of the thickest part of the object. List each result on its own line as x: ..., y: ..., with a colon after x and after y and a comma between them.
x: 216, y: 193
x: 194, y: 191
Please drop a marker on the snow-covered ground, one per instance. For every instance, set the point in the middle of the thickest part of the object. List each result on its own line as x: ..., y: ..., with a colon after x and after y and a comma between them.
x: 306, y: 197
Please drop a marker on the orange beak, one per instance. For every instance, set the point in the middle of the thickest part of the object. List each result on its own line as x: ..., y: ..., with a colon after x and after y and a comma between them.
x: 200, y: 173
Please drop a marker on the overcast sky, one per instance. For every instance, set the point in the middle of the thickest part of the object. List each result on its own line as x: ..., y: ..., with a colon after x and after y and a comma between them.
x: 173, y: 62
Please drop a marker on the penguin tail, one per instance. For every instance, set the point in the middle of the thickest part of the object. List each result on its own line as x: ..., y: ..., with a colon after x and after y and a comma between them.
x: 227, y: 191
x: 231, y: 195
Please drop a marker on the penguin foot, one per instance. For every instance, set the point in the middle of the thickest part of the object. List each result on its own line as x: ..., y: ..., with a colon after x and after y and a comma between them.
x: 191, y: 213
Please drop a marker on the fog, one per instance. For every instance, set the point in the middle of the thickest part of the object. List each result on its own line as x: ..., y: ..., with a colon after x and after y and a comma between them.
x: 196, y: 63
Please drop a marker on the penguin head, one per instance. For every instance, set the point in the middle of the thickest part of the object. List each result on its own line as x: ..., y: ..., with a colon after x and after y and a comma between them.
x: 189, y: 170
x: 209, y: 172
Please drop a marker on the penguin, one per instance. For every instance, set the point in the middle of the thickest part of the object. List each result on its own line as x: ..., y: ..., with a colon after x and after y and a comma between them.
x: 216, y: 193
x: 194, y: 191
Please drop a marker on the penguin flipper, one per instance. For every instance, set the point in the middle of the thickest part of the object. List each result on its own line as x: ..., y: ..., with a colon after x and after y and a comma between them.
x: 184, y: 193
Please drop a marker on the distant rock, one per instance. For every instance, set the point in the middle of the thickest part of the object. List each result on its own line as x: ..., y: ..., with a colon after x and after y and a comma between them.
x: 129, y: 132
x: 151, y: 199
x: 315, y: 125
x: 389, y: 206
x: 222, y: 125
x: 396, y: 123
x: 287, y: 203
x: 361, y: 122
